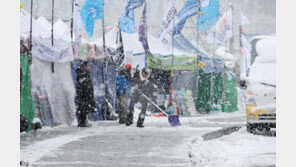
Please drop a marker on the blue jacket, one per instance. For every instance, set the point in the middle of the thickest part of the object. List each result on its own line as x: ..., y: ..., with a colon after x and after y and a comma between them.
x: 123, y: 83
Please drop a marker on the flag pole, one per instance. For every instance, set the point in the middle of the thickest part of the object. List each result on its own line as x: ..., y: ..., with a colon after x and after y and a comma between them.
x: 212, y: 64
x: 52, y: 38
x: 172, y: 61
x: 72, y: 20
x: 197, y: 57
x: 146, y: 29
x: 103, y: 29
x: 31, y: 28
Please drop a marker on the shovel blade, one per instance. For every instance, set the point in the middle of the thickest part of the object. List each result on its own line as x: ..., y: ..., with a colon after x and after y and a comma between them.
x: 174, y: 120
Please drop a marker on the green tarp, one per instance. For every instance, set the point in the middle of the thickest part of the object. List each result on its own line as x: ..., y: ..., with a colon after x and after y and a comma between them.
x: 204, y: 101
x: 230, y: 103
x: 26, y: 103
x: 165, y: 62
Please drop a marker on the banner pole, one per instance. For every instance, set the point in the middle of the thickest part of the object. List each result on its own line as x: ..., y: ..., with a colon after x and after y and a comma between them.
x: 31, y: 28
x: 52, y: 38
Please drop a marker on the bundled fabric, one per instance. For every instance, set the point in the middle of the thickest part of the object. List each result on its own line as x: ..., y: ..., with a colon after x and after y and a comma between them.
x: 190, y: 9
x: 90, y: 12
x: 209, y: 15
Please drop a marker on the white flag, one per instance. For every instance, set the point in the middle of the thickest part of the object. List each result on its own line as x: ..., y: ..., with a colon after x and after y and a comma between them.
x: 244, y: 19
x: 228, y: 27
x: 222, y: 30
x: 166, y: 30
x: 246, y: 53
x: 77, y: 25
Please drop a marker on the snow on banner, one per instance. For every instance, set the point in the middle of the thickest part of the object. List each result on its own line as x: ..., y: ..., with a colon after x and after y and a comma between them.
x: 166, y: 30
x: 209, y: 15
x: 90, y: 12
x: 190, y: 8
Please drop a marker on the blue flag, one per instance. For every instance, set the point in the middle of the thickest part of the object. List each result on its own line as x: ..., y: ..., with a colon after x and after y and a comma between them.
x: 190, y: 8
x: 133, y: 4
x: 209, y: 16
x: 127, y: 23
x: 90, y: 12
x: 143, y: 33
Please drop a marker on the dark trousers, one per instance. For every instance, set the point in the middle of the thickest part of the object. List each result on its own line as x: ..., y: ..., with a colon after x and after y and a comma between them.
x: 82, y: 112
x: 137, y: 97
x: 122, y: 107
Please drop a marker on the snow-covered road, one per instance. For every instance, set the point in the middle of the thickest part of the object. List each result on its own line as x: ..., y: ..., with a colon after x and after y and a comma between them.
x: 111, y: 144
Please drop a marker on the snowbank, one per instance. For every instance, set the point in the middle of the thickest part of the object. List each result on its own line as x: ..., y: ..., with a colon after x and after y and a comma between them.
x: 264, y: 68
x: 238, y: 149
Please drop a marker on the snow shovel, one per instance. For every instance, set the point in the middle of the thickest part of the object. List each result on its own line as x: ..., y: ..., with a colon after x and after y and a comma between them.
x: 173, y: 119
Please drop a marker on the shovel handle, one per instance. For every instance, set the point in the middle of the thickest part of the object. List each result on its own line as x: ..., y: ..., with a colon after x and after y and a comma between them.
x: 153, y: 103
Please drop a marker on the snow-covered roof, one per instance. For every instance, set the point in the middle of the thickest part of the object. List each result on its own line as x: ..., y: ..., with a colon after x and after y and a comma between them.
x: 42, y: 28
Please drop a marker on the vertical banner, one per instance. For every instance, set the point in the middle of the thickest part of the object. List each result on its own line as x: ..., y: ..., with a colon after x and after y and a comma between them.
x: 143, y: 33
x: 166, y: 29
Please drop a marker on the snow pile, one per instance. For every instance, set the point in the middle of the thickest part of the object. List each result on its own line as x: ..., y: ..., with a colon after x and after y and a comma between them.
x: 223, y: 53
x: 264, y: 68
x: 238, y: 149
x: 264, y: 107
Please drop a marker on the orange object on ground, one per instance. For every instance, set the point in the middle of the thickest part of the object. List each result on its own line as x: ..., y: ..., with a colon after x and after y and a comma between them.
x: 158, y: 115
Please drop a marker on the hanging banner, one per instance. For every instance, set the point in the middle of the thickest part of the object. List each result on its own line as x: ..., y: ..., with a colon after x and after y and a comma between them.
x: 190, y: 9
x: 90, y: 12
x: 221, y: 31
x: 166, y: 30
x: 143, y: 33
x: 209, y: 15
x: 61, y: 51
